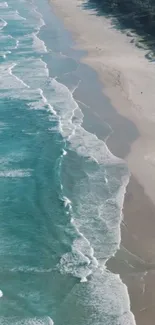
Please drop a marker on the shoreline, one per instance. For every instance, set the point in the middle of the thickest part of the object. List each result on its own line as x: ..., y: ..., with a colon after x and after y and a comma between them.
x: 135, y: 260
x: 125, y: 75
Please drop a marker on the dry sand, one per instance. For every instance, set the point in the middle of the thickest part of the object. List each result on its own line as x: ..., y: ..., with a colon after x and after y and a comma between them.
x: 128, y: 80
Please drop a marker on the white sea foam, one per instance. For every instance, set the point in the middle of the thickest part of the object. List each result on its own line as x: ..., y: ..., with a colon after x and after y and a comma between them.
x: 4, y: 54
x: 21, y: 17
x: 50, y: 107
x: 64, y: 152
x: 39, y: 16
x: 26, y: 74
x: 26, y: 321
x: 10, y: 69
x: 13, y: 156
x: 67, y: 202
x: 80, y: 262
x: 12, y: 15
x: 97, y: 220
x: 27, y: 269
x: 3, y: 23
x: 16, y: 173
x: 11, y: 79
x: 4, y: 5
x: 83, y: 244
x: 75, y: 263
x: 26, y: 70
x: 1, y: 293
x: 7, y: 43
x: 84, y: 279
x: 38, y: 44
x: 30, y: 80
x: 85, y: 143
x: 40, y: 103
x: 9, y: 82
x: 88, y: 145
x: 104, y: 299
x: 17, y: 44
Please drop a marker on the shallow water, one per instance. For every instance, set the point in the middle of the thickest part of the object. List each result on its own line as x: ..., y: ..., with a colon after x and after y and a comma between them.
x: 62, y: 190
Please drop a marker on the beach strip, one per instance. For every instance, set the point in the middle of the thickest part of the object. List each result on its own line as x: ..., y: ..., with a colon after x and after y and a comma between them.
x: 128, y: 81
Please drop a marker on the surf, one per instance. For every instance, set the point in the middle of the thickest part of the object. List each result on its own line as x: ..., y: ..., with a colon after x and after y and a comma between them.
x: 63, y: 198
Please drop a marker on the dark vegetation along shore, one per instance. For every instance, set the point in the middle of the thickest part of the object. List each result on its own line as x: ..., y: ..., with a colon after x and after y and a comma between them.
x: 136, y: 15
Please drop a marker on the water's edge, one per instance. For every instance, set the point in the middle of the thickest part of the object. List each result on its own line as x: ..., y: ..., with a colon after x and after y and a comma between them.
x: 90, y: 80
x: 74, y: 185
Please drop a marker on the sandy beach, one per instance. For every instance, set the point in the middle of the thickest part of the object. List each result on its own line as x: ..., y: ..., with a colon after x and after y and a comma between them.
x: 128, y: 80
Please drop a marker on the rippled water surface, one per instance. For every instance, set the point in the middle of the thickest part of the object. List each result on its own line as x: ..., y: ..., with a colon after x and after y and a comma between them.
x: 61, y: 189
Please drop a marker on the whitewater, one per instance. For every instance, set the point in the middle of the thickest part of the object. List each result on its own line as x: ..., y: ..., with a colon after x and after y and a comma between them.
x: 61, y: 191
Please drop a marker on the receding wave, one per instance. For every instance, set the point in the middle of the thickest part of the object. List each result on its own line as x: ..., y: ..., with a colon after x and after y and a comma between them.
x: 3, y: 5
x: 63, y: 216
x: 16, y: 173
x: 27, y: 321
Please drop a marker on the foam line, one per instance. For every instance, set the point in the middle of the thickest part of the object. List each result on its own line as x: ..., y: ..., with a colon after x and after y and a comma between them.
x: 10, y: 69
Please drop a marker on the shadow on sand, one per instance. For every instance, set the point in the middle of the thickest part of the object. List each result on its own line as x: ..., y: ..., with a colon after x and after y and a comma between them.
x: 131, y: 17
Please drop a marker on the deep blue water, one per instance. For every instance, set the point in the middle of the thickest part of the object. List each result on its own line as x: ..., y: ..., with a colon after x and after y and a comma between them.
x: 61, y: 190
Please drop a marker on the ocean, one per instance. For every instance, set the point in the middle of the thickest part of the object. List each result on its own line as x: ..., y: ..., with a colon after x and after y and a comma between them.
x: 62, y: 190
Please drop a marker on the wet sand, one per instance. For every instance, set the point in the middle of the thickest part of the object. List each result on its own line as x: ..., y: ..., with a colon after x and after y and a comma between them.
x: 138, y: 237
x: 132, y: 138
x: 128, y: 80
x: 137, y: 254
x: 135, y: 261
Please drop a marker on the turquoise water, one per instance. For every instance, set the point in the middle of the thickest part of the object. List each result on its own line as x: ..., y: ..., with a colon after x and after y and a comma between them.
x: 61, y: 189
